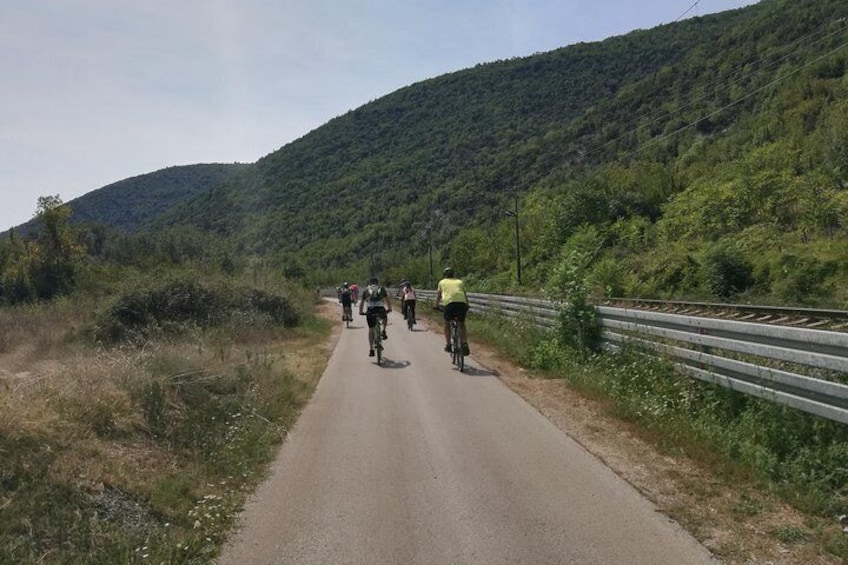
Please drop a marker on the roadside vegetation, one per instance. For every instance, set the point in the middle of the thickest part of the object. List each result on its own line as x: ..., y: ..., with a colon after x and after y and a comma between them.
x: 135, y: 421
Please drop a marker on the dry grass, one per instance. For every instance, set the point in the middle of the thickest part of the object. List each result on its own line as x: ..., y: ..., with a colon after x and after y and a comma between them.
x: 75, y: 434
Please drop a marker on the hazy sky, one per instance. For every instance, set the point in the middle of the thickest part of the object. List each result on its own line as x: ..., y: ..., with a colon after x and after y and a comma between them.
x: 95, y: 91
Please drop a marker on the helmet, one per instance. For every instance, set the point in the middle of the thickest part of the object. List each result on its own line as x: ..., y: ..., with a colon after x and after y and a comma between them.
x: 346, y: 284
x: 448, y: 272
x: 372, y: 280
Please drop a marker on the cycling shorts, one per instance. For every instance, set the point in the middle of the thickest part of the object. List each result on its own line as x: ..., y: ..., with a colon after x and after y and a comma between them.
x: 456, y: 310
x: 372, y: 314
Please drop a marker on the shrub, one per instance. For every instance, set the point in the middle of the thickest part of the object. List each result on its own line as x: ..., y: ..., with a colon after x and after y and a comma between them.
x: 725, y: 271
x: 579, y: 327
x: 179, y: 305
x: 804, y: 279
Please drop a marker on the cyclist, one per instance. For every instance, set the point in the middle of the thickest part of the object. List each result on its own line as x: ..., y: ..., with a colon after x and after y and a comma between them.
x: 346, y: 300
x: 452, y: 294
x: 354, y: 289
x: 407, y: 300
x: 375, y: 298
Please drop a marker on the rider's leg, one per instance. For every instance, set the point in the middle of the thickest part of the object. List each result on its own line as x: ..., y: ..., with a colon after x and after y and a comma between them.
x: 371, y: 323
x: 447, y: 336
x: 463, y: 338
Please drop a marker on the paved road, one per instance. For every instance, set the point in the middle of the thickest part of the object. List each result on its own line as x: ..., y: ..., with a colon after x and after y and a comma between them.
x: 416, y: 463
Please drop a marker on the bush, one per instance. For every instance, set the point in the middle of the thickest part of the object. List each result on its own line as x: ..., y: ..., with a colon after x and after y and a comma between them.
x: 579, y: 327
x: 804, y: 279
x: 726, y: 272
x: 179, y: 305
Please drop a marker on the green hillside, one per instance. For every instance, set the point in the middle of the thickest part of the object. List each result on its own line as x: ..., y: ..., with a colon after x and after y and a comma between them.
x: 129, y: 204
x: 427, y: 146
x: 705, y: 159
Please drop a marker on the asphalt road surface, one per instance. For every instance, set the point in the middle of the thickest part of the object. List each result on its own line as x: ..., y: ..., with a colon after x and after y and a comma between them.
x: 414, y: 462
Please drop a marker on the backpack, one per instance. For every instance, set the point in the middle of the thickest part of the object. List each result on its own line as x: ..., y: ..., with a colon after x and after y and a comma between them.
x: 376, y: 294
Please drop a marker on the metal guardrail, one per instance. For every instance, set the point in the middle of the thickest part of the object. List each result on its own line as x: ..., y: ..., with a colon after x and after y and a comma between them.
x: 541, y: 312
x: 756, y: 358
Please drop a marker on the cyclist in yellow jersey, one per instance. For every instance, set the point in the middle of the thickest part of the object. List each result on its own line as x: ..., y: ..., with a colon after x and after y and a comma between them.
x: 451, y: 293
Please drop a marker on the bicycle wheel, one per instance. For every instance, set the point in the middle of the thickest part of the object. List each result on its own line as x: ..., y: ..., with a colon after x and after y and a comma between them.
x: 457, y: 357
x: 378, y: 343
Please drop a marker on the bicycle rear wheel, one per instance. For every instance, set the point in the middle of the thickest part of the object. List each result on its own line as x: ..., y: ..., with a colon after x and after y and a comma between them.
x: 458, y: 357
x: 378, y: 343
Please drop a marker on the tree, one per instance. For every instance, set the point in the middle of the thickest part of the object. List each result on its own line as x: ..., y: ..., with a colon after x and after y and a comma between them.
x: 53, y: 258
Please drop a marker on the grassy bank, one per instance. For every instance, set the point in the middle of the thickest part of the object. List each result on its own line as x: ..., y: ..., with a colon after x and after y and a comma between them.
x: 133, y: 427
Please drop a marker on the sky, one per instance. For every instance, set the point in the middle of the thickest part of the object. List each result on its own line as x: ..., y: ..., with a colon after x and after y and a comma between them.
x: 96, y: 91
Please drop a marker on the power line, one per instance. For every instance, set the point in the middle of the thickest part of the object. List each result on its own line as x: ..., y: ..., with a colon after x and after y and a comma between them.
x: 683, y: 15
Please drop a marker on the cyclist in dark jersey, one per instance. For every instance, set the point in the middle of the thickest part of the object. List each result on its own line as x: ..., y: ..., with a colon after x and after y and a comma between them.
x: 346, y: 300
x: 375, y: 298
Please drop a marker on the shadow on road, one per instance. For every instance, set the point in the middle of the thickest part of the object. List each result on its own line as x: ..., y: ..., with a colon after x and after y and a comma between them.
x: 478, y: 372
x: 389, y: 364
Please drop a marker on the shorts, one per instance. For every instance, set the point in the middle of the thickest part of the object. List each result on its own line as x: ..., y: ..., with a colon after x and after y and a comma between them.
x: 456, y: 310
x: 374, y: 313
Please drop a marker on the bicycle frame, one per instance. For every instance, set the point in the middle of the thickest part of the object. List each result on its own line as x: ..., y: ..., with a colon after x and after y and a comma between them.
x: 377, y: 333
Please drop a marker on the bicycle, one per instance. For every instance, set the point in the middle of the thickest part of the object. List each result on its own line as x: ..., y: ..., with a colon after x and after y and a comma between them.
x: 347, y: 315
x: 457, y: 354
x: 410, y: 315
x: 377, y: 330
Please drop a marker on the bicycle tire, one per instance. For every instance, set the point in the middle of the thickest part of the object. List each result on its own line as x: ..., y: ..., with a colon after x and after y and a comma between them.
x: 378, y: 342
x: 457, y: 357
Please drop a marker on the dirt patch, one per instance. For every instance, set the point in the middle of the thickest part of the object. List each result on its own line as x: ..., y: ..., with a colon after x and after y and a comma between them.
x: 306, y: 359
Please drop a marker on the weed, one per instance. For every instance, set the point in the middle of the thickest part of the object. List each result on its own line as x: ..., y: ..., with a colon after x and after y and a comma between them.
x: 789, y: 534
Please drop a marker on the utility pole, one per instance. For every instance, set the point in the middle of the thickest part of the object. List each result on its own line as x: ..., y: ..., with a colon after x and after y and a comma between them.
x: 430, y: 251
x: 514, y: 214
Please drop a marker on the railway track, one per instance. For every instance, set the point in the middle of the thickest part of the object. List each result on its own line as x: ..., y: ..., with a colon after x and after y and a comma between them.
x: 810, y: 318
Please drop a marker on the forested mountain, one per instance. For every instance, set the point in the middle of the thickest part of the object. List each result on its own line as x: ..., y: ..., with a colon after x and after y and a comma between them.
x: 707, y: 158
x: 131, y: 203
